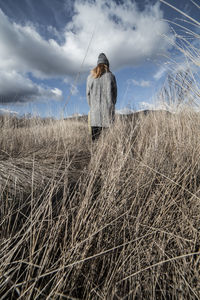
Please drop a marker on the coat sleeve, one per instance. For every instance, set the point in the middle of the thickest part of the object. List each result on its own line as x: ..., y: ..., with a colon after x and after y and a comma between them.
x: 88, y: 91
x: 114, y: 90
x: 111, y: 88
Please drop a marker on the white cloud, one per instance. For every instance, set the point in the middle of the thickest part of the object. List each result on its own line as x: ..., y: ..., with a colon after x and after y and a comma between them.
x: 128, y: 36
x: 7, y: 111
x: 57, y: 92
x: 124, y: 111
x: 125, y: 34
x: 147, y: 105
x: 73, y: 89
x: 157, y: 105
x: 160, y: 73
x: 75, y: 115
x: 141, y: 83
x: 24, y: 50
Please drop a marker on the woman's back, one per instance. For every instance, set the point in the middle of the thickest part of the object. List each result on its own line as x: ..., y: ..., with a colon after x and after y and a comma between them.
x: 101, y: 94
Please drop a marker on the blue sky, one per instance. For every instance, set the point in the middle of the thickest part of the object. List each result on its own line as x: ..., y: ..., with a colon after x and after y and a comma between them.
x: 47, y: 49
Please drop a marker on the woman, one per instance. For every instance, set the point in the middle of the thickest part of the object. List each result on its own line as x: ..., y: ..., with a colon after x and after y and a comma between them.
x: 101, y: 96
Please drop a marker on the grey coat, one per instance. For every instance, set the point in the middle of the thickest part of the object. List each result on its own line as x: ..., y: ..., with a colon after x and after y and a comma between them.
x: 102, y: 96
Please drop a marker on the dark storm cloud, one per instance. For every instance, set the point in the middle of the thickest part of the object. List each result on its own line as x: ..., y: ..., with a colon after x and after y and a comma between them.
x: 17, y: 88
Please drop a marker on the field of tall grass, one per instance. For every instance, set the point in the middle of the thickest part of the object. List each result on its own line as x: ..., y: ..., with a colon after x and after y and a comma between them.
x: 117, y: 219
x: 114, y: 219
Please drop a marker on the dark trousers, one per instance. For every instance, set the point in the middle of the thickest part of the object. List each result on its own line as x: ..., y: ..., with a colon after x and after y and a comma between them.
x: 96, y: 131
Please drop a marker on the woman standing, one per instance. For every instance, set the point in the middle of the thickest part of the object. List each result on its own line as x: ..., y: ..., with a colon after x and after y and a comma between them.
x: 101, y: 96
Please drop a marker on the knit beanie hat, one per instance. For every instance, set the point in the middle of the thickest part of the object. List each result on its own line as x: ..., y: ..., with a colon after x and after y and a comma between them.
x: 102, y: 59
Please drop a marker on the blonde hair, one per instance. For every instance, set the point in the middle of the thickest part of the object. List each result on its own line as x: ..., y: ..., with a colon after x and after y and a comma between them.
x: 99, y: 70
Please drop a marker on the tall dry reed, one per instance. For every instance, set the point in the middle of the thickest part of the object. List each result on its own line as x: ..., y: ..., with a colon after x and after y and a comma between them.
x: 118, y: 219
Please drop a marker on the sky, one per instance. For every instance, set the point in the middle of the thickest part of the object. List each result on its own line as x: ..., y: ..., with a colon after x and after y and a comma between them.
x: 47, y: 49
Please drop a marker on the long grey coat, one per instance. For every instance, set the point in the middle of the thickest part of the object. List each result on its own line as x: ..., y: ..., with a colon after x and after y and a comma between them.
x: 102, y: 96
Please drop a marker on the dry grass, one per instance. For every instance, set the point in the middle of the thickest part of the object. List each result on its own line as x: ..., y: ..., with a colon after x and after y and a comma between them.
x: 115, y: 220
x: 118, y: 219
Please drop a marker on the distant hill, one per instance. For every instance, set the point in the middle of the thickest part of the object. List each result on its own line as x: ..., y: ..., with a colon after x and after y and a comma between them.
x: 15, y: 121
x: 121, y: 116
